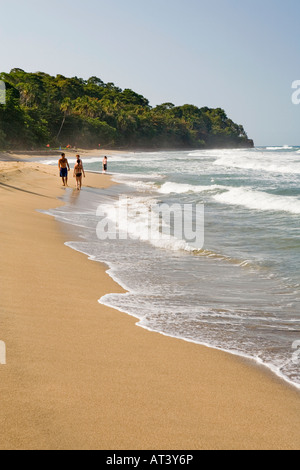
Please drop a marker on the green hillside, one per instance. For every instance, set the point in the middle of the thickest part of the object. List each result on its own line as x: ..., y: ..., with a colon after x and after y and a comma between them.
x: 43, y: 110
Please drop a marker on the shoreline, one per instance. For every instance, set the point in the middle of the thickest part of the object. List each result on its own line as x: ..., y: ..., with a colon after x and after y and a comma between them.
x: 251, y: 361
x: 197, y: 398
x: 53, y: 152
x: 18, y: 156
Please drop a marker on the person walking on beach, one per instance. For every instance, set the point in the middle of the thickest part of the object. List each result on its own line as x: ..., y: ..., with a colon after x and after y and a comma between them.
x: 78, y: 173
x: 105, y: 162
x: 78, y: 158
x: 64, y: 168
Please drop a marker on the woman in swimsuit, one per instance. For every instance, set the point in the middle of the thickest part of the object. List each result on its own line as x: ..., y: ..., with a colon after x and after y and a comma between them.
x: 78, y: 172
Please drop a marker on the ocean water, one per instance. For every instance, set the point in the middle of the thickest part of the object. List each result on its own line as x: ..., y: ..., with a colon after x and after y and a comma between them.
x: 240, y: 291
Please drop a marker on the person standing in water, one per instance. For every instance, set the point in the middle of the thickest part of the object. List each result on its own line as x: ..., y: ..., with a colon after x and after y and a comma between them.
x: 64, y: 168
x: 78, y: 173
x: 105, y: 162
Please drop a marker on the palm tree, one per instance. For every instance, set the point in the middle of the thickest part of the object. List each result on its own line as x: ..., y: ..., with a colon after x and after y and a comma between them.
x: 28, y: 92
x: 66, y: 108
x: 87, y: 106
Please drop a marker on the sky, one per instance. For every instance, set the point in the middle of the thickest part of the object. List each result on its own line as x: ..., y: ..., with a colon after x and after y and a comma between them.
x: 239, y: 55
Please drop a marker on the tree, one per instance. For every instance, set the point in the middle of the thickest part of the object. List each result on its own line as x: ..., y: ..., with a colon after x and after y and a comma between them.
x: 87, y: 106
x: 66, y: 108
x: 95, y: 81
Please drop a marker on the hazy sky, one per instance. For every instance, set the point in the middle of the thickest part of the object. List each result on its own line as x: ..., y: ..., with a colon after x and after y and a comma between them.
x: 240, y: 55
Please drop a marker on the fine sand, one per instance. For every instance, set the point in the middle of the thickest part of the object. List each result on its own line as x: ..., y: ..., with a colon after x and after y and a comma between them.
x: 82, y: 376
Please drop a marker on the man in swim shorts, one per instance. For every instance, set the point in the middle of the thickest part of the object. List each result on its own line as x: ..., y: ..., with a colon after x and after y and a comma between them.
x: 64, y: 168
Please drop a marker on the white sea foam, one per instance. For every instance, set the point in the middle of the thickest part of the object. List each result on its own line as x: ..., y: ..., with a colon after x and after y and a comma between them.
x: 199, y: 153
x: 127, y: 178
x: 48, y: 162
x: 141, y: 182
x: 141, y: 186
x: 177, y: 188
x: 136, y: 181
x: 258, y: 200
x: 285, y: 147
x: 72, y: 161
x: 269, y: 164
x: 121, y: 158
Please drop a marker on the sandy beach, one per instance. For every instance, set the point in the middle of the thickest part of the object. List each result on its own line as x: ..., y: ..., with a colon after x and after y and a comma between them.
x: 82, y: 376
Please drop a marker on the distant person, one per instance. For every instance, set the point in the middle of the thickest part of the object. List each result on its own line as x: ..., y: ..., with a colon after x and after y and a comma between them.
x: 78, y: 173
x: 105, y: 163
x: 78, y: 158
x: 64, y: 168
